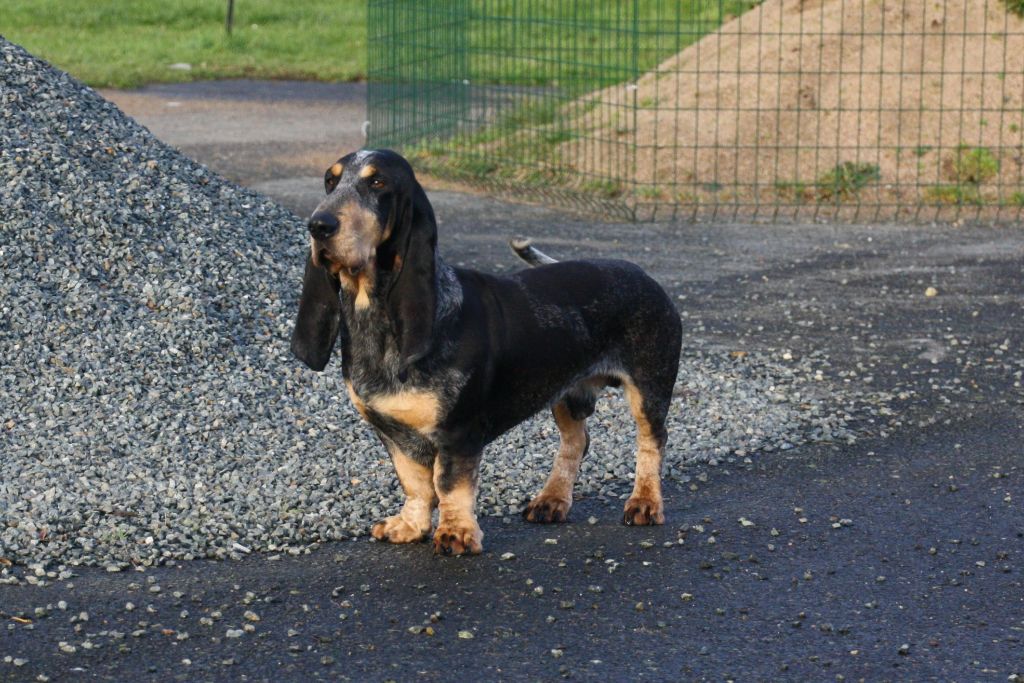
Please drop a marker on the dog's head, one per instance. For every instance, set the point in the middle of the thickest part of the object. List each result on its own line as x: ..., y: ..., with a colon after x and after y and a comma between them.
x: 375, y: 225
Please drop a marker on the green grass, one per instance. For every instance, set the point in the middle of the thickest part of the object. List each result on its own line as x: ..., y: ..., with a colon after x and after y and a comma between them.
x: 958, y: 195
x: 847, y: 179
x: 560, y: 51
x: 606, y: 189
x: 650, y: 192
x: 1015, y: 6
x: 973, y: 165
x: 795, y: 190
x: 126, y: 44
x: 843, y: 182
x: 969, y: 168
x: 595, y: 54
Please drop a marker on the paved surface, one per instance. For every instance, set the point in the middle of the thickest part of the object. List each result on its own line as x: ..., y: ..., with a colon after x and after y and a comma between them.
x: 900, y: 557
x: 262, y: 134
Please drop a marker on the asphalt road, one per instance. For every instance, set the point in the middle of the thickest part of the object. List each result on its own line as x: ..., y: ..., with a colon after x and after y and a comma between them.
x: 899, y: 557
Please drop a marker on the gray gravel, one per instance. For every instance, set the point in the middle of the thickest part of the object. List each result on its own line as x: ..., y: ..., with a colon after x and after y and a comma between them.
x: 150, y: 409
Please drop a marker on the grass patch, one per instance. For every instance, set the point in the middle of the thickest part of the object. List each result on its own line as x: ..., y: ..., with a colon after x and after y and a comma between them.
x: 1015, y: 6
x: 558, y: 136
x: 953, y: 194
x: 972, y: 165
x: 1017, y: 199
x: 844, y: 182
x: 530, y: 44
x: 606, y: 189
x: 650, y: 193
x: 112, y: 43
x: 847, y: 179
x: 479, y: 167
x: 551, y: 54
x: 793, y: 190
x: 969, y: 168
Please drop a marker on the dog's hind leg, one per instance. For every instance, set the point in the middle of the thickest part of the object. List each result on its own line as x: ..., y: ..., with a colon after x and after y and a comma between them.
x: 553, y: 502
x: 649, y: 404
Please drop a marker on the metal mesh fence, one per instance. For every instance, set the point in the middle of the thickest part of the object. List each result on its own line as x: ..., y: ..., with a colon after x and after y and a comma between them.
x: 669, y: 110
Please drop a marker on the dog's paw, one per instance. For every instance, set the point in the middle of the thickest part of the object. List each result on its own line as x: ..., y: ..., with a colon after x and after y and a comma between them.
x: 641, y: 511
x: 547, y: 509
x: 458, y: 538
x: 397, y: 530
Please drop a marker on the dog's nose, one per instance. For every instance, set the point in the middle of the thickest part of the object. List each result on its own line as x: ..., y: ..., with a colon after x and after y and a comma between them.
x: 322, y: 225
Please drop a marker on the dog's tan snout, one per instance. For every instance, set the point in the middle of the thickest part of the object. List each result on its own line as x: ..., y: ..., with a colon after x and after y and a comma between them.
x: 323, y: 225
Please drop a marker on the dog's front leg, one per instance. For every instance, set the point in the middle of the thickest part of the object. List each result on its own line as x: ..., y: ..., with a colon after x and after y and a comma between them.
x: 455, y: 480
x: 413, y: 523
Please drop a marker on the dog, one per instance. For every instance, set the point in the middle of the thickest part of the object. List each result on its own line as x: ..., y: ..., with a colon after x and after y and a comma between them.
x: 443, y: 360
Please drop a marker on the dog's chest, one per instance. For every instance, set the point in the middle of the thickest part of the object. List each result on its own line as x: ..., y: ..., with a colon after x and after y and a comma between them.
x: 419, y: 409
x: 419, y: 404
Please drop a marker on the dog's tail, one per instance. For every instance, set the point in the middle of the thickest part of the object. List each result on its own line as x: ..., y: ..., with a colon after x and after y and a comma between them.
x: 524, y: 249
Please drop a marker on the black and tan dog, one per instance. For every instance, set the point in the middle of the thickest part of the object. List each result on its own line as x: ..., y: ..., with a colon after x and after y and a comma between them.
x: 442, y: 360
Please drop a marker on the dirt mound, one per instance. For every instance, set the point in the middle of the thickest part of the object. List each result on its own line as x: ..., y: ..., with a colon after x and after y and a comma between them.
x: 910, y: 100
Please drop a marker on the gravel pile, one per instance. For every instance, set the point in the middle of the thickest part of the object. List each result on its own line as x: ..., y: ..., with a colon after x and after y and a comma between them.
x: 149, y: 407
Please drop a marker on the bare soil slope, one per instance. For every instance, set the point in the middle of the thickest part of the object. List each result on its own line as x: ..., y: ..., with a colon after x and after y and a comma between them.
x: 783, y: 94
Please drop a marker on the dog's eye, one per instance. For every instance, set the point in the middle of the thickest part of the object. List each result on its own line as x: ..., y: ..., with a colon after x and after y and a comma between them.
x: 377, y: 183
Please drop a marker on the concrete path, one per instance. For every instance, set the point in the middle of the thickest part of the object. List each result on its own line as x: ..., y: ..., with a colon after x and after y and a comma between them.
x: 274, y: 136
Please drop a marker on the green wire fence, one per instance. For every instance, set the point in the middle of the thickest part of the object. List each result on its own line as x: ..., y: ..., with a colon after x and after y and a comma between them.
x: 659, y: 110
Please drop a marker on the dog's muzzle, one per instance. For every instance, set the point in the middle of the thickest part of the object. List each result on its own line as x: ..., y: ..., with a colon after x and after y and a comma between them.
x: 323, y: 226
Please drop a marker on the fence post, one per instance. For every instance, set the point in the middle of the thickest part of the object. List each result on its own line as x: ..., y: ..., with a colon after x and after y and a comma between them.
x: 229, y: 23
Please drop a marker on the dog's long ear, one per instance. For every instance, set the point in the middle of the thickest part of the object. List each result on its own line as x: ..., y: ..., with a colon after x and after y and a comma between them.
x: 411, y: 298
x: 319, y: 319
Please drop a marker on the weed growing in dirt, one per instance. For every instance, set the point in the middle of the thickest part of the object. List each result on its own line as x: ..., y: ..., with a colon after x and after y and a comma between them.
x: 973, y: 165
x: 649, y: 192
x: 847, y: 179
x: 1015, y: 6
x: 843, y: 182
x: 968, y: 167
x: 793, y: 190
x: 607, y: 189
x: 953, y: 194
